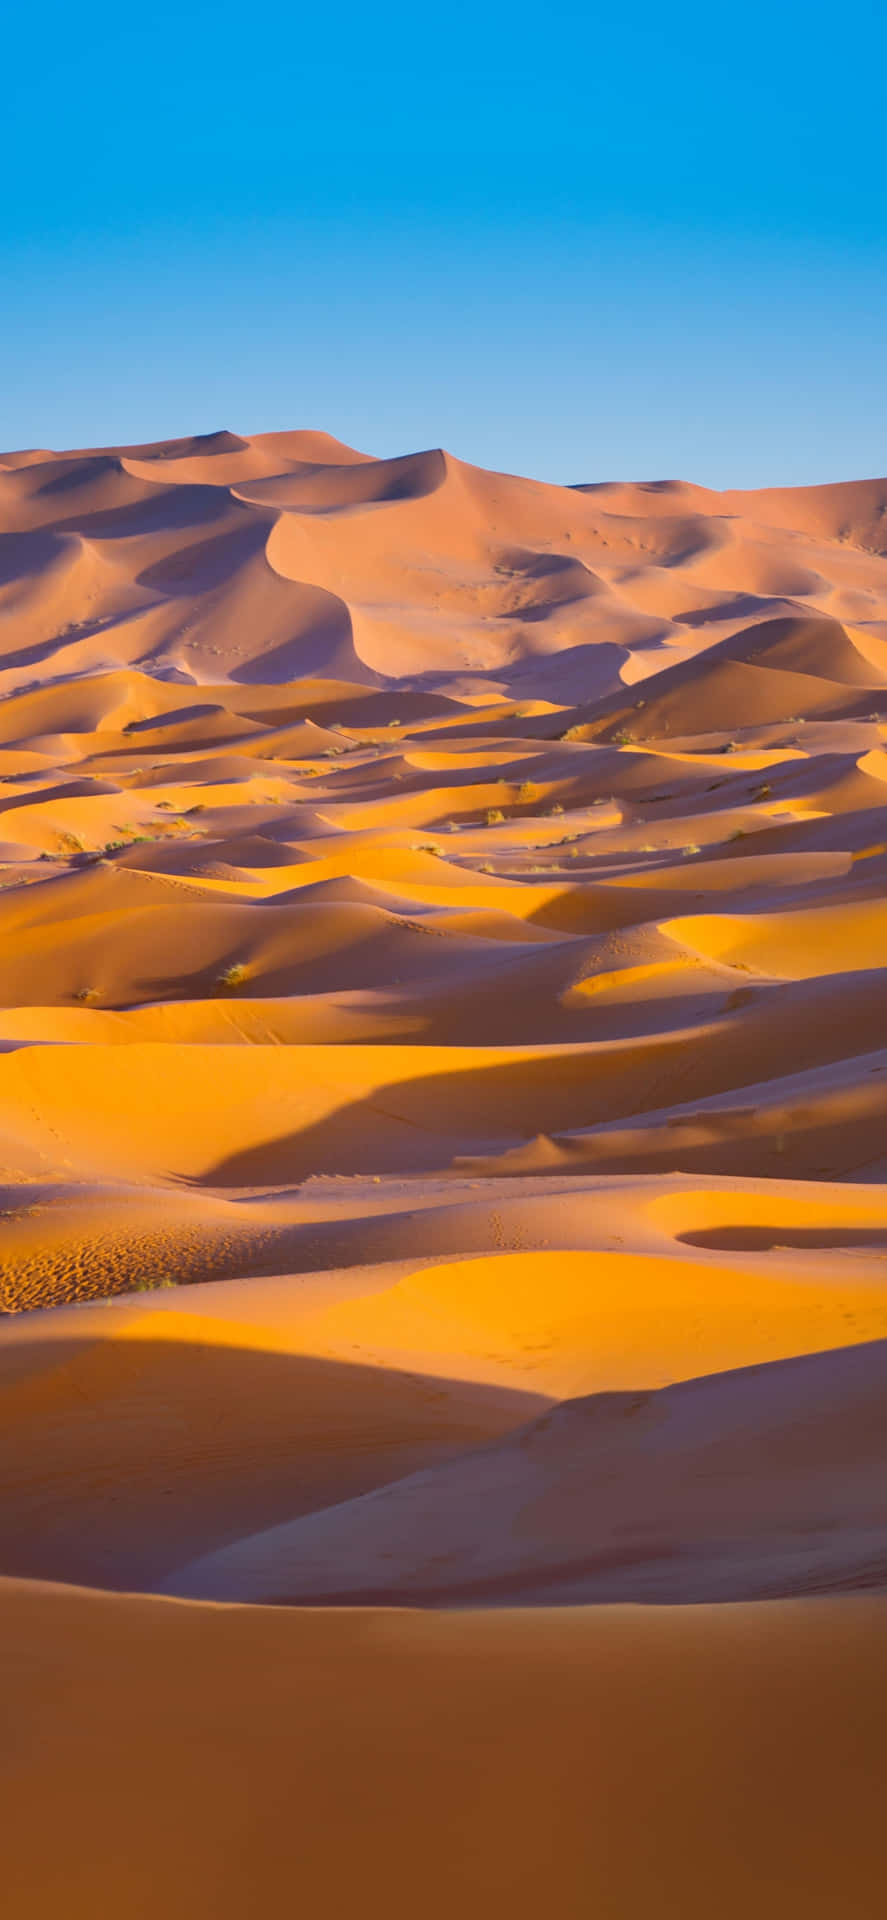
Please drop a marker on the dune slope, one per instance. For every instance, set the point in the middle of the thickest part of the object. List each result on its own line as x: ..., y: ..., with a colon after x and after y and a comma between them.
x: 624, y: 1761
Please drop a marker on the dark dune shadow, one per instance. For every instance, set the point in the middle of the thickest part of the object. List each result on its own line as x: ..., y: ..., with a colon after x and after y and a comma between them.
x: 65, y: 476
x: 191, y: 446
x: 743, y: 606
x: 124, y: 1457
x: 420, y: 1124
x: 317, y: 488
x: 356, y: 947
x: 770, y: 1239
x: 425, y: 1122
x: 718, y: 1488
x: 165, y: 509
x: 827, y: 833
x: 207, y: 564
x: 321, y: 633
x: 66, y: 790
x: 177, y: 717
x: 22, y: 555
x: 55, y: 648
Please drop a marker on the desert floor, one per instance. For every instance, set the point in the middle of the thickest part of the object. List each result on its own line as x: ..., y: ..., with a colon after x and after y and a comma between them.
x: 443, y: 1146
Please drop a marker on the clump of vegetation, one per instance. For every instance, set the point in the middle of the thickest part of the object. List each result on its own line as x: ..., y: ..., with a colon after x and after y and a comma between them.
x: 557, y: 808
x: 154, y: 1283
x: 526, y: 792
x: 71, y: 842
x: 762, y: 791
x: 738, y: 834
x: 426, y: 847
x: 87, y: 993
x: 234, y: 975
x: 495, y: 816
x: 688, y: 851
x: 623, y: 737
x: 573, y: 733
x: 486, y: 866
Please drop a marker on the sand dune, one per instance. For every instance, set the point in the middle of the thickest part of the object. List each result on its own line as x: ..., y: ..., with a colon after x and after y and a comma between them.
x: 747, y: 1485
x: 443, y: 1059
x: 603, y: 1757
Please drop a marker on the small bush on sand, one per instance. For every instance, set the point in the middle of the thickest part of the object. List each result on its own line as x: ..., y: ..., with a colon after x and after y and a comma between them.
x: 234, y: 975
x: 495, y: 816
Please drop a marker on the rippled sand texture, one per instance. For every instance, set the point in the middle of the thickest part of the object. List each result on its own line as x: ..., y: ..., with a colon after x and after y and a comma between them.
x: 443, y: 1001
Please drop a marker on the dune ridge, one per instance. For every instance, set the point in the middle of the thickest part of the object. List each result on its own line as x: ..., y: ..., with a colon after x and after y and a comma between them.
x: 443, y: 1146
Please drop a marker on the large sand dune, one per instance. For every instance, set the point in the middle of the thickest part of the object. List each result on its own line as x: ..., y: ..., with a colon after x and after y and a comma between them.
x: 443, y: 1051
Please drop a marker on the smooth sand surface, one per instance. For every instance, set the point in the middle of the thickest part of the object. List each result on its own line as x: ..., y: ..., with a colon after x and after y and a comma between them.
x: 443, y: 1146
x: 168, y: 1758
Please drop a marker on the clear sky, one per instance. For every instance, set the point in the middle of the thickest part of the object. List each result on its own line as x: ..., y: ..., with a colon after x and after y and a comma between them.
x: 577, y: 241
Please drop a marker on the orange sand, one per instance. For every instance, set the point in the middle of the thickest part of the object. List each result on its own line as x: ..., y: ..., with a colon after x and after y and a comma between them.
x: 443, y: 1052
x: 163, y: 1758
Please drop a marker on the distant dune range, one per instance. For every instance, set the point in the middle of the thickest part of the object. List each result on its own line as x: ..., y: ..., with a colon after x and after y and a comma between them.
x: 443, y: 1050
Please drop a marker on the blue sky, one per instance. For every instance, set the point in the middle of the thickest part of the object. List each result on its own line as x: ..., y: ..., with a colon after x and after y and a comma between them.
x: 562, y: 242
